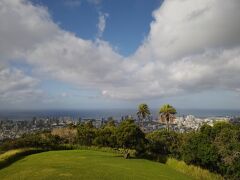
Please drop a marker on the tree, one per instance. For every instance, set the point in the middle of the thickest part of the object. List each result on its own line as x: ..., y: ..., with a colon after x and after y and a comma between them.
x: 167, y: 114
x: 163, y: 143
x: 143, y: 112
x: 86, y: 133
x: 106, y: 135
x: 200, y: 151
x: 110, y: 123
x: 130, y: 136
x: 227, y: 142
x: 157, y: 145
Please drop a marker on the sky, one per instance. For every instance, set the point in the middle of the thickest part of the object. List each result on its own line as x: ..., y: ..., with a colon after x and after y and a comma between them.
x: 97, y: 54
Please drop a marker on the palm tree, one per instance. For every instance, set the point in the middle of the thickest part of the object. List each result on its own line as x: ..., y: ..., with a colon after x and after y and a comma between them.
x: 167, y: 114
x: 143, y: 112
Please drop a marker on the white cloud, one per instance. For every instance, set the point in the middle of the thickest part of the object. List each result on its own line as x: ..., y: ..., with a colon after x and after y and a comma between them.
x: 22, y: 27
x: 189, y: 48
x: 78, y: 61
x: 101, y: 23
x: 192, y: 46
x: 17, y: 87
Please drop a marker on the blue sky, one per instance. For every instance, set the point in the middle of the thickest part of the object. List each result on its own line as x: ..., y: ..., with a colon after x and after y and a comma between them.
x: 127, y: 25
x: 81, y: 54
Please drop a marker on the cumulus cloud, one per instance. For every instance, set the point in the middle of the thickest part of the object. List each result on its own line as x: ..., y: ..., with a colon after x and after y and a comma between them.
x: 195, y: 73
x: 183, y: 28
x: 192, y: 46
x: 22, y: 27
x: 17, y: 87
x: 189, y: 48
x: 78, y: 61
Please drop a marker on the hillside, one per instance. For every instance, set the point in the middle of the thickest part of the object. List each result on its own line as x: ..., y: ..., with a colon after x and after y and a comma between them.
x: 86, y: 164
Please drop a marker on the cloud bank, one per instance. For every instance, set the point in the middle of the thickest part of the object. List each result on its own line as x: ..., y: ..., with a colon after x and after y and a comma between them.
x: 192, y: 46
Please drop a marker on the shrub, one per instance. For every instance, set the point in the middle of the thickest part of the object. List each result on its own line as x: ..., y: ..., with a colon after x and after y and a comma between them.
x: 39, y: 140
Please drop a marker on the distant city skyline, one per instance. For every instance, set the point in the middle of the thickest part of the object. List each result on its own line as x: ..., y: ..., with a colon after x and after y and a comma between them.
x: 102, y: 54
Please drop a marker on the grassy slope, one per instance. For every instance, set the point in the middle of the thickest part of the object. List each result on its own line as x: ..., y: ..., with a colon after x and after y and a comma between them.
x: 11, y: 156
x: 193, y: 171
x: 86, y: 164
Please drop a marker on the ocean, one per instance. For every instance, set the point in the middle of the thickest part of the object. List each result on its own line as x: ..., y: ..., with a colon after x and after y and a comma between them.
x: 105, y: 113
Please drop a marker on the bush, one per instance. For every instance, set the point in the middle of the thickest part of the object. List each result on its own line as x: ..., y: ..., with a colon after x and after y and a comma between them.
x: 44, y: 141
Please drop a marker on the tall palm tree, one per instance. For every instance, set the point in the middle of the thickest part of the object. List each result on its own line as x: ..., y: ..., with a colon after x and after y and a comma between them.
x: 143, y: 112
x: 167, y: 114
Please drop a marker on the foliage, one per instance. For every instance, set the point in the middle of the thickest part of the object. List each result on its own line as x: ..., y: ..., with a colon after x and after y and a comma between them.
x: 164, y: 143
x: 200, y: 151
x: 130, y: 136
x: 38, y: 140
x: 68, y: 135
x: 216, y: 148
x: 167, y: 113
x: 106, y: 136
x: 227, y: 141
x: 86, y: 133
x: 194, y: 171
x: 143, y: 112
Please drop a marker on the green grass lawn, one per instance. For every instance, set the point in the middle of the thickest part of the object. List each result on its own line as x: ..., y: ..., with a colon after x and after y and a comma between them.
x: 86, y: 164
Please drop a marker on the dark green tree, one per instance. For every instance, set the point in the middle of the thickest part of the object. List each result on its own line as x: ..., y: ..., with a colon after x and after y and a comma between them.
x: 199, y: 150
x: 86, y: 133
x: 130, y: 136
x: 106, y: 136
x: 227, y: 142
x: 164, y: 143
